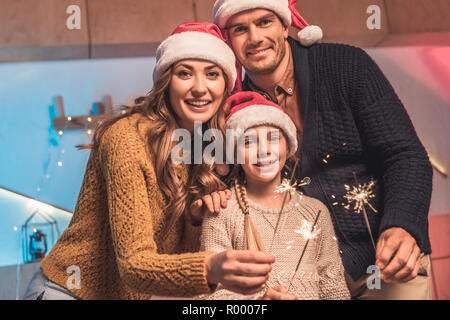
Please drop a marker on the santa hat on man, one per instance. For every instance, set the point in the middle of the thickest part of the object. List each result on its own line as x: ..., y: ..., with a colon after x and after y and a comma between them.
x: 248, y: 109
x: 285, y: 9
x: 196, y: 40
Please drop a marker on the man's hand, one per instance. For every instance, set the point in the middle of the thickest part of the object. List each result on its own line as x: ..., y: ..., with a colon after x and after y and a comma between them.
x: 210, y: 203
x: 397, y: 256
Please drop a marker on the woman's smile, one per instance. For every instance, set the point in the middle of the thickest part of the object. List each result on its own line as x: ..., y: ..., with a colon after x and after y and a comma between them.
x: 198, y: 105
x: 197, y: 90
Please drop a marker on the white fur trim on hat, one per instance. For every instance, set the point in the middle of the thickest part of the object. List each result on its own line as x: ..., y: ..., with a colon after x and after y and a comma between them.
x: 195, y: 45
x: 264, y: 115
x: 225, y: 9
x: 310, y: 35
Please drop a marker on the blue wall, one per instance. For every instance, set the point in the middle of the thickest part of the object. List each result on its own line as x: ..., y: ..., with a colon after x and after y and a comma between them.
x: 28, y: 160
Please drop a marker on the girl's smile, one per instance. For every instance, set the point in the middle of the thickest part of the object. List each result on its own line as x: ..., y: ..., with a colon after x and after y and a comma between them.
x: 265, y: 152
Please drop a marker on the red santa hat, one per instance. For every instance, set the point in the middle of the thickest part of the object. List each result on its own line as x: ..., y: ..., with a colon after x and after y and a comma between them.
x: 286, y: 9
x: 248, y: 109
x: 196, y: 40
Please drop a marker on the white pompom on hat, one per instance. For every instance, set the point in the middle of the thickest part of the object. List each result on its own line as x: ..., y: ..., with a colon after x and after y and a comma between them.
x: 196, y: 40
x: 223, y: 10
x: 248, y: 109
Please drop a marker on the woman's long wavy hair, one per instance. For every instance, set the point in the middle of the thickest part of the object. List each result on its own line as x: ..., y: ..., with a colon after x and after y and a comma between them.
x: 155, y: 108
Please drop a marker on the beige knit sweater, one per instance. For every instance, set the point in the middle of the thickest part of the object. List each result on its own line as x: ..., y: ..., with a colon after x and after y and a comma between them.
x: 321, y: 273
x: 115, y: 235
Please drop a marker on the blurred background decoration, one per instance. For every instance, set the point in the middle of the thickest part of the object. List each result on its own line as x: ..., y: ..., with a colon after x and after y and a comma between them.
x: 59, y: 82
x: 39, y: 232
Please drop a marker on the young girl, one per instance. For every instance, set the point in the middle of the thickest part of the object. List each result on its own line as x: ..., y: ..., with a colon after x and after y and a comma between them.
x: 251, y: 216
x: 131, y: 234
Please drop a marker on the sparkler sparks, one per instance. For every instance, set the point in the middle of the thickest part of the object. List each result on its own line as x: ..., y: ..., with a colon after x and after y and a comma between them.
x: 360, y: 194
x: 307, y: 230
x: 289, y: 244
x: 308, y: 234
x: 286, y: 186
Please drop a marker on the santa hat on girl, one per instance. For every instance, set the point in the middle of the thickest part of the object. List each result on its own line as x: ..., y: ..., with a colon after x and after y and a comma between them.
x: 285, y: 9
x: 196, y: 40
x: 248, y: 109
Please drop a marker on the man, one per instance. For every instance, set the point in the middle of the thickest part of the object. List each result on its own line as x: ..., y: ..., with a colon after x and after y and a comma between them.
x: 351, y: 123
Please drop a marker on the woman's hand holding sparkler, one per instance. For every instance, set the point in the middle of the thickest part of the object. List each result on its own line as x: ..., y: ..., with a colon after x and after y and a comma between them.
x: 240, y: 271
x: 397, y: 256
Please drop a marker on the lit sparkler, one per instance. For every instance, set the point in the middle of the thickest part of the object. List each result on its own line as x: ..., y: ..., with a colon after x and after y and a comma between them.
x: 360, y: 195
x: 309, y: 232
x: 287, y: 187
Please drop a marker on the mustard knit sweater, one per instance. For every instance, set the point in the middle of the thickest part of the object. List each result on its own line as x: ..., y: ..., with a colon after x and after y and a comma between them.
x: 115, y: 236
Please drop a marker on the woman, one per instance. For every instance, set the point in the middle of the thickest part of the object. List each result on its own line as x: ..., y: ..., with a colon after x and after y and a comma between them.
x: 133, y: 233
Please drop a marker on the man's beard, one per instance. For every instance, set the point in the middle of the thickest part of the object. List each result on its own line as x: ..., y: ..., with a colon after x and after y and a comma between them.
x: 274, y: 64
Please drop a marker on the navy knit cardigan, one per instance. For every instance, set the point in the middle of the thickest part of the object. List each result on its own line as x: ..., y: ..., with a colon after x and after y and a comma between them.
x: 355, y: 121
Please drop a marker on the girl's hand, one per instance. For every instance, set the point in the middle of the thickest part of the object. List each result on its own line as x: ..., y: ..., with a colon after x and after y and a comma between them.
x: 240, y: 271
x: 210, y: 203
x: 278, y: 293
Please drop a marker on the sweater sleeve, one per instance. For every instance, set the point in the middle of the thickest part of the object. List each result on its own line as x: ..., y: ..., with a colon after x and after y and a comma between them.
x: 132, y: 202
x: 191, y: 238
x: 332, y: 284
x: 393, y: 144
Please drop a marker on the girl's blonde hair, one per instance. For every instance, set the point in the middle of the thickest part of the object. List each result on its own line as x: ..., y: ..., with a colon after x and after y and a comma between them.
x: 252, y: 239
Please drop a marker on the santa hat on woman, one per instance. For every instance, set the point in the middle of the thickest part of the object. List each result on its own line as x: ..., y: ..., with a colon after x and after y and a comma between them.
x: 248, y: 109
x: 196, y: 40
x: 285, y: 9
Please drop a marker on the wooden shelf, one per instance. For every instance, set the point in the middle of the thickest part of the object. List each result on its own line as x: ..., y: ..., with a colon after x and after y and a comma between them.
x: 101, y: 111
x: 81, y: 122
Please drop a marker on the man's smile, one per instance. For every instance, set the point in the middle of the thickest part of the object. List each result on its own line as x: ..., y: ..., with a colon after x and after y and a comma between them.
x: 257, y: 53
